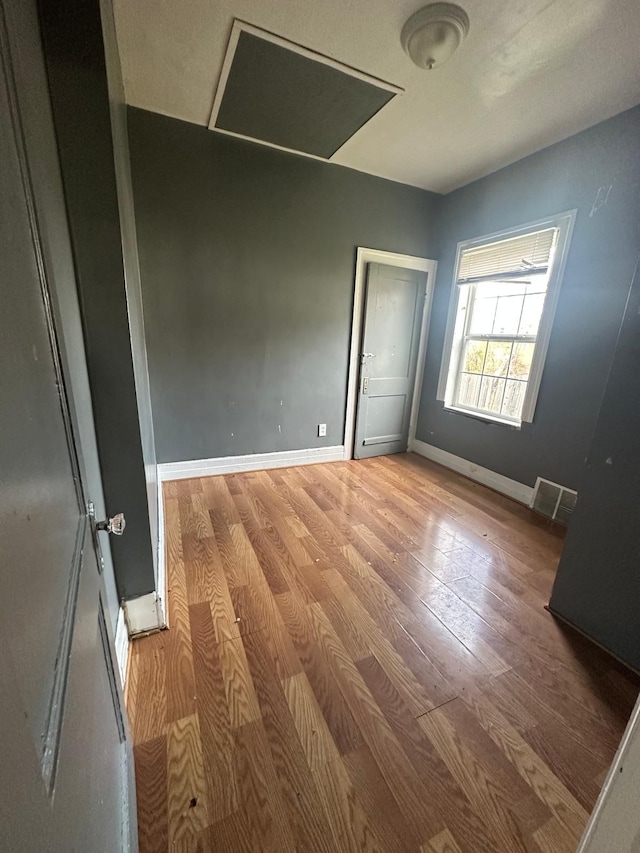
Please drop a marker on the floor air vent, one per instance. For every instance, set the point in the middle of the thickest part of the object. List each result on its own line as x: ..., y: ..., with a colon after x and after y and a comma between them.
x: 554, y: 501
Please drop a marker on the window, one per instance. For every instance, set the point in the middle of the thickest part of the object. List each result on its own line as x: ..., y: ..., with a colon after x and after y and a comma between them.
x: 504, y: 296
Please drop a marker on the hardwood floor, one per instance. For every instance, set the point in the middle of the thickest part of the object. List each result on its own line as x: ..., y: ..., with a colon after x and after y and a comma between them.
x: 359, y: 660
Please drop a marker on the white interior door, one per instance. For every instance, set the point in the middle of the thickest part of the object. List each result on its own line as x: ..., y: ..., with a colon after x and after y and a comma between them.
x: 394, y: 308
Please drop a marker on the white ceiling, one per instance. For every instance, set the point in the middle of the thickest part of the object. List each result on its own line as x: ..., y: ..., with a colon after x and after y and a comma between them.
x: 531, y: 72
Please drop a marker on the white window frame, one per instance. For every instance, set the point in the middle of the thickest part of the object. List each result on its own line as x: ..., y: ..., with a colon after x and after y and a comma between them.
x: 456, y: 320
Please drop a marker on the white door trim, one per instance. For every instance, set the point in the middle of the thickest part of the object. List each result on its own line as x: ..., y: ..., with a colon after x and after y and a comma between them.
x: 161, y: 579
x: 393, y: 259
x: 122, y: 646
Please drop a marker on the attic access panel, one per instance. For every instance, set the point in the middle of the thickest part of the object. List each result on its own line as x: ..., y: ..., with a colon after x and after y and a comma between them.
x: 278, y: 93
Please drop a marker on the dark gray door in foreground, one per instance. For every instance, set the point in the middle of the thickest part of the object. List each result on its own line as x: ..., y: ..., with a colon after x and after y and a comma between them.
x: 63, y: 772
x: 392, y: 321
x: 597, y: 587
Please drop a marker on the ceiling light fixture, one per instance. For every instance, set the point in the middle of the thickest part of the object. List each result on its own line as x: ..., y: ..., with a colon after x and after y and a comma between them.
x: 434, y: 33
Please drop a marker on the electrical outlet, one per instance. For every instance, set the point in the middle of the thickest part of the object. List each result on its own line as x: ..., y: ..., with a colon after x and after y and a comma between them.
x: 322, y: 430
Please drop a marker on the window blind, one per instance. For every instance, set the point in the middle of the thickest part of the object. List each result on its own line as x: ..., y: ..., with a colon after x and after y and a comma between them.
x: 528, y: 253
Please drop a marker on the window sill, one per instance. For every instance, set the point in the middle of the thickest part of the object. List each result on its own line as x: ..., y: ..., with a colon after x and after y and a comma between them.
x: 482, y: 416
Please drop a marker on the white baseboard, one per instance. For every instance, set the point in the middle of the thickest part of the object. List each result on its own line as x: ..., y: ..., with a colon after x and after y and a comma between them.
x: 144, y: 614
x: 249, y: 462
x: 122, y: 646
x: 518, y: 491
x: 161, y: 579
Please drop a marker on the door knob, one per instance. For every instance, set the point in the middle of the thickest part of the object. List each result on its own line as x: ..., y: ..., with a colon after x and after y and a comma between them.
x: 115, y: 525
x: 366, y: 355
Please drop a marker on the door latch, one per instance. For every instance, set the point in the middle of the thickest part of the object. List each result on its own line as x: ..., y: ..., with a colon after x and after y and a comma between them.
x: 115, y: 525
x: 365, y: 385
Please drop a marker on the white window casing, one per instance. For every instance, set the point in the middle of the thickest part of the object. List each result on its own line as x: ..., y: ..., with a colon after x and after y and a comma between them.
x: 544, y: 247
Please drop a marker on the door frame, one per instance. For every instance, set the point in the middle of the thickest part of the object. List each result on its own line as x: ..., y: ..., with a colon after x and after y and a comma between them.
x: 366, y: 256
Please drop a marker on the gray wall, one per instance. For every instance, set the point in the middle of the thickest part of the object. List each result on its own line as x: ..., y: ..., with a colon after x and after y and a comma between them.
x: 602, y: 162
x: 74, y: 52
x: 247, y: 258
x: 597, y: 587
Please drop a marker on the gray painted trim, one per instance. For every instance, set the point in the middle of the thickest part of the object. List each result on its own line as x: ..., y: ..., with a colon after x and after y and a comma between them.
x: 111, y: 672
x: 53, y: 730
x: 129, y: 810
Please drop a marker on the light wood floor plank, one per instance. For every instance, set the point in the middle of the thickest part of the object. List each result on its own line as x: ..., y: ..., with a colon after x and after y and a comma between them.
x: 151, y: 793
x: 352, y: 830
x: 259, y: 792
x: 444, y: 842
x: 319, y: 747
x: 487, y: 797
x: 529, y: 765
x: 147, y: 695
x: 554, y: 838
x: 312, y: 657
x: 188, y: 811
x: 242, y: 702
x: 180, y: 682
x: 448, y: 799
x: 298, y: 791
x: 404, y: 783
x: 359, y: 659
x: 213, y: 715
